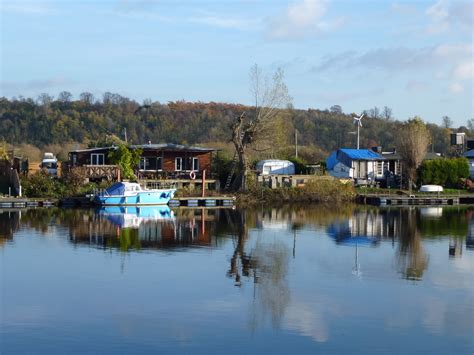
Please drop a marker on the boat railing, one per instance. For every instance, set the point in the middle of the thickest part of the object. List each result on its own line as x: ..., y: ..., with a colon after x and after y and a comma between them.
x: 155, y: 185
x: 100, y: 192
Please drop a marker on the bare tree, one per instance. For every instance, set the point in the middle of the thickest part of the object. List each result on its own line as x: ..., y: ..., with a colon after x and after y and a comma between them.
x: 65, y: 96
x: 387, y: 113
x: 374, y: 112
x: 447, y: 122
x: 470, y: 125
x: 413, y: 141
x: 45, y: 99
x: 87, y: 97
x: 269, y: 95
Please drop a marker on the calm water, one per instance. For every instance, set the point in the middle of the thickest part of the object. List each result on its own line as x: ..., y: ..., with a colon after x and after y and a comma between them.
x: 291, y: 280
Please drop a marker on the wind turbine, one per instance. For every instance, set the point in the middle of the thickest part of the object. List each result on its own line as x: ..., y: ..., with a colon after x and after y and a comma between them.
x: 358, y: 123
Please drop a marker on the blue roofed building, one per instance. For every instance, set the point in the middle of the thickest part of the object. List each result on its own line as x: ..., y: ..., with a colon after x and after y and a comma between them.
x: 362, y: 165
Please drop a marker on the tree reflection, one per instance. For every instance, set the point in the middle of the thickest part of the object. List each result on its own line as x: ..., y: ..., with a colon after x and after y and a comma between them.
x: 267, y: 265
x: 240, y: 262
x: 271, y: 292
x: 412, y: 259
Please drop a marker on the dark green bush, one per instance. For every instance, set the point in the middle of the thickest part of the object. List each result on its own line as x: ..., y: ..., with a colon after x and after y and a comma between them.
x: 446, y: 172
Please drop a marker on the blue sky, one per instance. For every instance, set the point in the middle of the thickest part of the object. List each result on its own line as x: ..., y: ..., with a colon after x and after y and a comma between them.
x: 413, y: 56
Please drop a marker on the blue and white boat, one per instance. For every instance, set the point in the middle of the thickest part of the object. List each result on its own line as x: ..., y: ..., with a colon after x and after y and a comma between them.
x: 132, y: 194
x: 134, y: 216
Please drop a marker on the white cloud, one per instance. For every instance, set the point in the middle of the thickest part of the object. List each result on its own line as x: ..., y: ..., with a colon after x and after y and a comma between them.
x: 417, y: 86
x: 13, y: 88
x: 445, y: 15
x: 221, y: 21
x: 302, y: 19
x: 464, y: 71
x: 27, y: 8
x: 454, y: 58
x: 456, y: 88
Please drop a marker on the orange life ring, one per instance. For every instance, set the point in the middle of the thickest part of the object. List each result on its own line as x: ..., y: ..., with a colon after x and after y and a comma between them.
x: 192, y: 175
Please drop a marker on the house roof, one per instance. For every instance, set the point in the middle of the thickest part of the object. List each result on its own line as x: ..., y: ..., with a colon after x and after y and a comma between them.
x: 173, y: 147
x: 91, y: 149
x: 331, y: 161
x: 164, y: 146
x: 469, y: 154
x: 347, y: 156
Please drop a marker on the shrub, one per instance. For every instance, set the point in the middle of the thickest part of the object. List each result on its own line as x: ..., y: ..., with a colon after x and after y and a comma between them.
x: 445, y: 172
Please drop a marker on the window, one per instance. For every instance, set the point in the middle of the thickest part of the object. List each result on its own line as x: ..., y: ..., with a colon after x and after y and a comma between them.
x: 178, y: 164
x: 195, y: 164
x: 159, y: 163
x: 97, y: 159
x: 144, y: 164
x: 379, y: 167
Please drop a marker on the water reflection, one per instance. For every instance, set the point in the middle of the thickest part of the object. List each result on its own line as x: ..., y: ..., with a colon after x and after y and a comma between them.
x: 9, y: 223
x: 284, y: 269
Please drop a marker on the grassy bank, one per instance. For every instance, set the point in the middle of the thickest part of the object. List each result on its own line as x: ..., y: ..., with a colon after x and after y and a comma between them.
x: 320, y: 191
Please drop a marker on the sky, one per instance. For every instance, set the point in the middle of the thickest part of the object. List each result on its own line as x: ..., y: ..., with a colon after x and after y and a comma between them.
x: 415, y: 57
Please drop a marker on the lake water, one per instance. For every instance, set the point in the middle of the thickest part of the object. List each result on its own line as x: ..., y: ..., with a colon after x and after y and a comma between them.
x: 294, y: 280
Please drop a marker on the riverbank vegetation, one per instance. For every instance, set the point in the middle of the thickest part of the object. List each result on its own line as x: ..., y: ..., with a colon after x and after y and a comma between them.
x: 318, y: 191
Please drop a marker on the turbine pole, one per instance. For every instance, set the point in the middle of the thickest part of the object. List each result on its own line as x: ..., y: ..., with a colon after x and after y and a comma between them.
x: 358, y: 128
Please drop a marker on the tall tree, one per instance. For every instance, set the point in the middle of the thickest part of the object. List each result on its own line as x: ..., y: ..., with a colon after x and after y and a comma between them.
x: 447, y: 122
x: 413, y: 141
x: 65, y: 96
x: 336, y: 109
x: 269, y: 94
x: 470, y: 125
x: 87, y: 97
x: 387, y: 113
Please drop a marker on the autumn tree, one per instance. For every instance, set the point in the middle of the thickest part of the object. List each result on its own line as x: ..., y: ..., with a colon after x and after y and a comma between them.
x: 252, y: 126
x: 412, y: 145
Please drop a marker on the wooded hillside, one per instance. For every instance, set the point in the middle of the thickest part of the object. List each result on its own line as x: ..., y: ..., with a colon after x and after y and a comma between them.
x: 66, y: 123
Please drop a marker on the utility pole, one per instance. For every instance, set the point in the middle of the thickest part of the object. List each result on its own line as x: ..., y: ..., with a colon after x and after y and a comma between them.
x: 296, y: 143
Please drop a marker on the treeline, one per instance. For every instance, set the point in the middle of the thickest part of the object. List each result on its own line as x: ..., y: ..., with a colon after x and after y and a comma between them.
x: 63, y: 121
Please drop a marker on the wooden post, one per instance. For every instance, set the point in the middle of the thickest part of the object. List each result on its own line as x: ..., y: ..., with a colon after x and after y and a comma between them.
x: 203, y: 183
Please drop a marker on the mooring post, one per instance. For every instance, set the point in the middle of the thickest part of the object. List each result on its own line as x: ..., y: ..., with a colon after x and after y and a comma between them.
x: 203, y: 189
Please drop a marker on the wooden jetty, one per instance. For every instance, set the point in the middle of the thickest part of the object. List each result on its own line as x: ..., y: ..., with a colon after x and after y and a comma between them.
x: 426, y: 200
x: 210, y: 201
x: 6, y: 202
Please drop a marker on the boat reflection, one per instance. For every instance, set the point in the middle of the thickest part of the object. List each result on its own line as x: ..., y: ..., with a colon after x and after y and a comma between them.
x: 133, y: 217
x: 151, y: 227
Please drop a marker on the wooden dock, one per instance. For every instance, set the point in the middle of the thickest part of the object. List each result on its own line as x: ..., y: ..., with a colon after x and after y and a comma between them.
x: 410, y: 200
x: 25, y: 203
x: 211, y: 201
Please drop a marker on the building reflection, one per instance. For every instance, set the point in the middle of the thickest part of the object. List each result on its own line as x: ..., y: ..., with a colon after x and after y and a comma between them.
x: 136, y: 228
x: 407, y: 226
x: 9, y: 223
